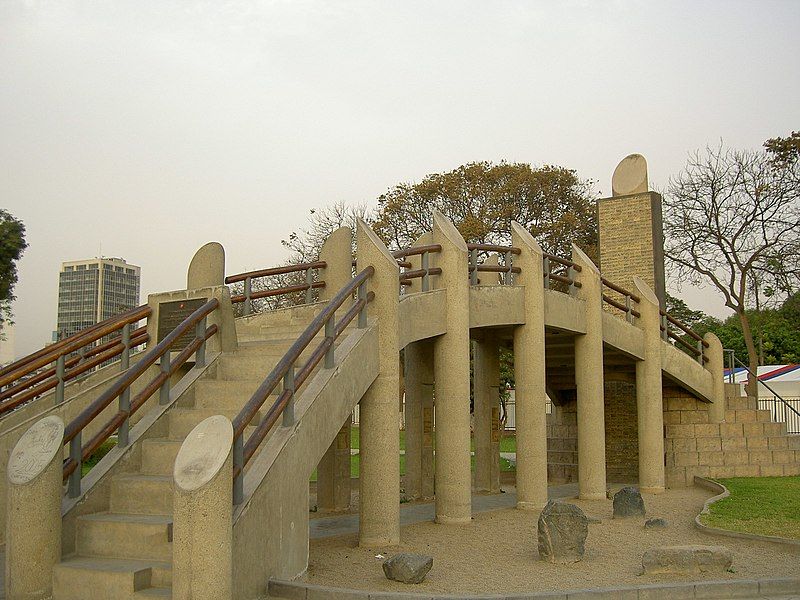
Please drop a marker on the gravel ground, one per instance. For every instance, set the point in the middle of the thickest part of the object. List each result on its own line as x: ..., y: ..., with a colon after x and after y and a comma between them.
x: 497, y: 552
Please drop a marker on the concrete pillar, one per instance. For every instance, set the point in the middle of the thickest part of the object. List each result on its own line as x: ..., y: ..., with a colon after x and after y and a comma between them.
x: 649, y: 402
x: 419, y: 419
x: 529, y: 376
x: 333, y: 471
x: 486, y: 413
x: 207, y: 268
x: 589, y: 381
x: 379, y: 503
x: 33, y: 520
x: 451, y: 368
x: 716, y: 366
x: 202, y: 560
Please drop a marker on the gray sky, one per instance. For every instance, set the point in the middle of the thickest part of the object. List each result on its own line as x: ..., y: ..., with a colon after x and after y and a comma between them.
x: 150, y: 128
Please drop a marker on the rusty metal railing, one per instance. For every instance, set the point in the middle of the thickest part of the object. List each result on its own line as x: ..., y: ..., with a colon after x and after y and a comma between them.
x: 697, y: 350
x: 249, y: 295
x: 629, y: 299
x: 507, y: 268
x: 424, y: 272
x: 566, y: 276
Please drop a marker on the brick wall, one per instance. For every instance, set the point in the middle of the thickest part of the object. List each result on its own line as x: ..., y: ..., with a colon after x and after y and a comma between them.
x: 622, y: 430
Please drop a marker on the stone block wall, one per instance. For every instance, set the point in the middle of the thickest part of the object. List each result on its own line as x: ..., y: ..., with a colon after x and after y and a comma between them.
x: 562, y: 443
x: 622, y: 430
x: 748, y: 444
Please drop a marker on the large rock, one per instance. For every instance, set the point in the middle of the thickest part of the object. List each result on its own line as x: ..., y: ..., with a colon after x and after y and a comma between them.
x: 687, y: 560
x: 628, y: 503
x: 407, y: 568
x: 562, y: 532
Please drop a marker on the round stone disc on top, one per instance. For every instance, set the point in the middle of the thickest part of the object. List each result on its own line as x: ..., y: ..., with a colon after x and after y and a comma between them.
x: 630, y: 176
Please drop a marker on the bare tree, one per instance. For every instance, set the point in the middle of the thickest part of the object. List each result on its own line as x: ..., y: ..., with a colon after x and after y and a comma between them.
x: 732, y: 219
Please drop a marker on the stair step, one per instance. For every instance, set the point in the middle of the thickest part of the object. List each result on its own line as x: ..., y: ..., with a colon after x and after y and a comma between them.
x: 183, y: 420
x: 142, y: 494
x: 225, y: 394
x: 125, y: 536
x: 158, y: 456
x: 154, y: 592
x: 91, y: 577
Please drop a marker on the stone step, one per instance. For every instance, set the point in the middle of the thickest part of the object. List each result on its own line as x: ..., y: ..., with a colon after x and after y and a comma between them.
x: 747, y: 415
x: 83, y: 577
x: 154, y: 592
x: 113, y: 535
x: 142, y: 494
x: 183, y: 420
x: 158, y: 456
x: 226, y: 394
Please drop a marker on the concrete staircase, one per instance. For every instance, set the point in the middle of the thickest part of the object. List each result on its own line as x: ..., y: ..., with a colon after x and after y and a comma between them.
x: 126, y: 551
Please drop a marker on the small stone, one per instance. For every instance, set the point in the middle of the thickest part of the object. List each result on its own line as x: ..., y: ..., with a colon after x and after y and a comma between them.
x: 689, y: 560
x: 562, y: 532
x: 407, y: 568
x: 657, y: 523
x: 628, y: 503
x: 593, y: 520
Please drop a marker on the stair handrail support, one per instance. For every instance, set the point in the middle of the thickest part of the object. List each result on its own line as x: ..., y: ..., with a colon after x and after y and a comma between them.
x: 764, y: 383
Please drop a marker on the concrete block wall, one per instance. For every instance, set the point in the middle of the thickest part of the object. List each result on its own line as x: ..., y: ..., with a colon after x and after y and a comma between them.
x: 747, y: 444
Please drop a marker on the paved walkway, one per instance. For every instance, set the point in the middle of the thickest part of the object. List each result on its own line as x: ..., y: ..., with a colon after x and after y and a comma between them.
x: 323, y: 527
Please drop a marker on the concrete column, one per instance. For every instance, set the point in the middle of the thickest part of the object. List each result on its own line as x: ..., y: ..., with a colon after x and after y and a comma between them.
x: 33, y: 520
x: 419, y: 419
x: 202, y: 560
x: 716, y: 366
x: 451, y: 367
x: 486, y: 414
x: 207, y: 268
x: 589, y: 381
x: 649, y: 402
x: 333, y: 471
x: 529, y: 376
x: 379, y: 504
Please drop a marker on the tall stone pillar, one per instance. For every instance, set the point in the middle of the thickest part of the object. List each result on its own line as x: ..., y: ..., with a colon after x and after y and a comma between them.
x: 716, y: 366
x: 589, y: 383
x: 529, y: 376
x: 202, y: 548
x: 649, y: 402
x: 333, y: 471
x: 419, y: 419
x: 379, y: 504
x: 33, y: 518
x: 631, y: 230
x: 451, y: 366
x: 486, y: 414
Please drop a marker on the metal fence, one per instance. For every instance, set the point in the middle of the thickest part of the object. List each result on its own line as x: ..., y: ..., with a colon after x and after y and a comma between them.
x: 781, y: 413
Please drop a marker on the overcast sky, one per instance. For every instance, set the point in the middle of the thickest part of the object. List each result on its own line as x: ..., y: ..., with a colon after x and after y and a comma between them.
x: 146, y: 129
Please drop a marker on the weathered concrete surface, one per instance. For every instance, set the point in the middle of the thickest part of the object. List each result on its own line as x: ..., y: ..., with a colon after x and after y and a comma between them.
x: 716, y: 367
x: 33, y: 523
x: 687, y: 560
x: 486, y: 414
x: 202, y: 513
x: 419, y: 419
x: 207, y: 268
x: 422, y: 316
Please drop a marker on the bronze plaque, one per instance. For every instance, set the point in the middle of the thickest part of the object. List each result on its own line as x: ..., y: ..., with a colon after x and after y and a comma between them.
x: 172, y: 314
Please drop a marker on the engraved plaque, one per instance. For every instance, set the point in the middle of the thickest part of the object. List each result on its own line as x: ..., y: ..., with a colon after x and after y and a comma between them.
x: 495, y: 424
x: 35, y: 449
x: 172, y: 314
x: 427, y: 427
x: 343, y: 438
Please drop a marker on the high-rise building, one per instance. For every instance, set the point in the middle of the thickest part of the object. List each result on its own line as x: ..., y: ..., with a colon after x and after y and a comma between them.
x: 90, y: 291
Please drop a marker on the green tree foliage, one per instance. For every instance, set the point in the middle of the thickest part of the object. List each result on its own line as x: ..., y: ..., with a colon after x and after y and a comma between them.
x: 12, y: 245
x: 483, y: 198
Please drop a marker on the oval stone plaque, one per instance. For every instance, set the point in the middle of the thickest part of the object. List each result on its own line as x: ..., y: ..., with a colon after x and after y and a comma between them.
x: 35, y: 449
x: 203, y: 453
x: 630, y: 176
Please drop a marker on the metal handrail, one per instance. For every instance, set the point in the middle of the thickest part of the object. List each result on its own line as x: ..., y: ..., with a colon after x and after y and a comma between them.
x: 417, y: 250
x: 569, y: 279
x: 285, y: 371
x: 424, y: 272
x: 764, y: 383
x: 317, y: 264
x: 509, y: 270
x: 121, y: 389
x: 249, y: 295
x: 630, y: 298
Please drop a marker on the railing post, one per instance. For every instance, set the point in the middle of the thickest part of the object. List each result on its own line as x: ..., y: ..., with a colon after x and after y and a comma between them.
x: 362, y: 314
x: 509, y: 262
x: 248, y: 291
x: 200, y: 334
x: 75, y: 452
x: 546, y: 270
x: 124, y: 428
x: 330, y: 334
x: 238, y: 466
x: 473, y: 266
x: 288, y: 384
x: 60, y: 377
x: 700, y: 352
x: 628, y: 307
x: 664, y: 328
x: 163, y: 397
x: 309, y: 282
x: 125, y: 358
x: 426, y: 282
x: 571, y: 277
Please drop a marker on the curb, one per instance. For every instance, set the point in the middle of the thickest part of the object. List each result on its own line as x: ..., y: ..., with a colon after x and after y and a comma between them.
x: 744, y: 588
x: 722, y: 492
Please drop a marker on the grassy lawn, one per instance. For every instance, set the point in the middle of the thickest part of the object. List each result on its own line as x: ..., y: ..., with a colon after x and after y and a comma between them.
x: 761, y: 505
x: 95, y: 458
x: 507, y: 444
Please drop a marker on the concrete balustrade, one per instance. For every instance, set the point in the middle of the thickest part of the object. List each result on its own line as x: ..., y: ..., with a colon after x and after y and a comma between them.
x: 333, y: 471
x: 649, y: 402
x: 379, y: 502
x: 589, y: 382
x: 202, y: 559
x: 716, y: 367
x: 451, y: 368
x: 33, y: 523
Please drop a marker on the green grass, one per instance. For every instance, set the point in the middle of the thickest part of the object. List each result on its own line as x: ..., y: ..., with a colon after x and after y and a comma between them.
x: 95, y: 458
x: 760, y: 505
